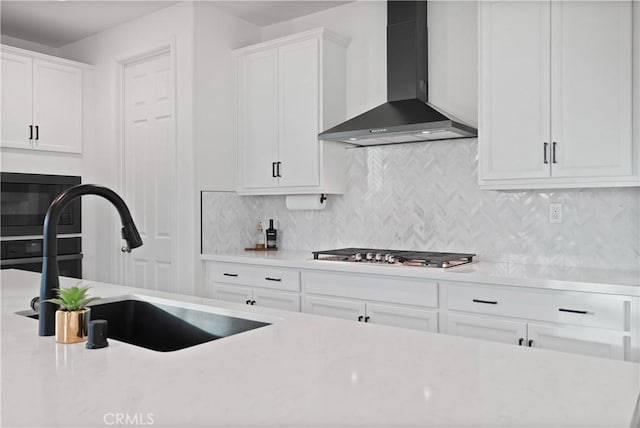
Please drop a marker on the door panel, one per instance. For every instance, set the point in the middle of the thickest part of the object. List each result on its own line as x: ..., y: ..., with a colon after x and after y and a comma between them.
x: 334, y: 308
x: 298, y: 87
x: 258, y: 127
x: 592, y: 93
x: 596, y: 343
x: 486, y: 328
x: 17, y: 99
x: 150, y: 171
x: 233, y: 293
x: 57, y: 107
x: 277, y: 300
x: 397, y: 316
x: 515, y: 93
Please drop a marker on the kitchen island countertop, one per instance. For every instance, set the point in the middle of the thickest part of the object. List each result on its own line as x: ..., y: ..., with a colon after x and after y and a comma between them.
x: 608, y: 281
x: 303, y: 370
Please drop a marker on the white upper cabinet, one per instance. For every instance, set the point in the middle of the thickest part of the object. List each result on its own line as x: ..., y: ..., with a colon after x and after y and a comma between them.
x: 17, y: 99
x: 41, y: 102
x: 289, y: 90
x: 556, y: 95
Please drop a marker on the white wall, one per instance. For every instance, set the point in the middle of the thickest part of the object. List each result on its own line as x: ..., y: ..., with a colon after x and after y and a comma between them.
x: 25, y: 44
x: 101, y: 154
x: 216, y: 34
x: 453, y: 45
x: 365, y: 22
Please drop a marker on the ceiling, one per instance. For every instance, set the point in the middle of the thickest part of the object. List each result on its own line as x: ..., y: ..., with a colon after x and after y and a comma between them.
x: 57, y: 23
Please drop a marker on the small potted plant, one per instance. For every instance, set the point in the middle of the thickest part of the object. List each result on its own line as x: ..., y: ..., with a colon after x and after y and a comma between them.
x: 72, y: 319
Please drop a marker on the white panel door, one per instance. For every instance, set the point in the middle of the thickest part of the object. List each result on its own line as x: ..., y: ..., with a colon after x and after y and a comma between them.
x: 150, y: 171
x: 577, y: 340
x: 57, y: 107
x: 233, y: 293
x: 398, y: 316
x: 277, y: 299
x: 592, y: 92
x: 258, y: 121
x: 298, y: 87
x: 336, y: 308
x: 515, y: 98
x: 487, y: 329
x: 17, y: 101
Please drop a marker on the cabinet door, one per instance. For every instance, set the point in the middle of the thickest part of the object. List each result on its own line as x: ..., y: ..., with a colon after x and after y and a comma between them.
x: 487, y: 329
x: 336, y: 308
x: 57, y: 107
x: 277, y: 300
x: 592, y: 93
x: 298, y: 88
x: 16, y: 100
x: 514, y: 89
x: 398, y: 316
x: 585, y: 341
x: 233, y: 293
x: 258, y: 119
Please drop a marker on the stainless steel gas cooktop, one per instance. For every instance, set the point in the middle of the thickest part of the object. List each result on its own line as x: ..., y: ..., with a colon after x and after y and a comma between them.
x: 395, y: 257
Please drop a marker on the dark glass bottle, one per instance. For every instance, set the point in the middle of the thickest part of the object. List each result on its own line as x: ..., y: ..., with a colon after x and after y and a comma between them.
x: 272, y: 235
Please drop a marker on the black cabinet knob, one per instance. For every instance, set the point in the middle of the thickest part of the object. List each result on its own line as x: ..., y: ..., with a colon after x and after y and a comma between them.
x: 366, y: 319
x: 530, y: 343
x: 360, y: 318
x: 520, y: 341
x: 247, y: 302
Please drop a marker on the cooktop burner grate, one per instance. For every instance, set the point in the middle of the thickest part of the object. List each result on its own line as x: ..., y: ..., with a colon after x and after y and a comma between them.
x: 394, y: 257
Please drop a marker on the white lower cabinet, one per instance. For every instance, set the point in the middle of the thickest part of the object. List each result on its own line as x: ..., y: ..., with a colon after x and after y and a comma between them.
x: 259, y: 297
x: 277, y: 288
x: 391, y: 315
x: 579, y: 340
x: 495, y: 330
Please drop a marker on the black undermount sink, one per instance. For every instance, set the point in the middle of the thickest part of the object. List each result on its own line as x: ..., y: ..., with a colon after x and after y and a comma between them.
x: 164, y: 328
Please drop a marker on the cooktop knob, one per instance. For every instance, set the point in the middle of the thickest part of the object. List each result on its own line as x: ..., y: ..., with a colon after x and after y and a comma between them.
x: 369, y: 256
x: 391, y: 259
x: 357, y: 257
x: 378, y: 257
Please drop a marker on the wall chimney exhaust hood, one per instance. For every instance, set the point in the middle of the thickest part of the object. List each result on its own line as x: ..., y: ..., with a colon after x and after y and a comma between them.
x: 407, y: 115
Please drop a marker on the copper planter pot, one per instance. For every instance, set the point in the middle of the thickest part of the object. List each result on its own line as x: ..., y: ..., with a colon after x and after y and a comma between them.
x: 72, y: 326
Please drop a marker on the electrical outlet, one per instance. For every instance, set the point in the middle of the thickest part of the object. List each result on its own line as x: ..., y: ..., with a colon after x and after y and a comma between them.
x: 555, y: 213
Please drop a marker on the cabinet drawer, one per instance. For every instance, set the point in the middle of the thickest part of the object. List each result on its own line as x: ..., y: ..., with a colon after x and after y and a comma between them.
x: 255, y: 276
x: 565, y: 307
x: 407, y: 291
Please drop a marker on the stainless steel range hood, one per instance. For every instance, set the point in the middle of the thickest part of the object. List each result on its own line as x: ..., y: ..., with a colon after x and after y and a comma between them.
x: 407, y: 115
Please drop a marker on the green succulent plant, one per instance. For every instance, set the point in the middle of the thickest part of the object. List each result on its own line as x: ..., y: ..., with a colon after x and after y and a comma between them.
x: 72, y: 298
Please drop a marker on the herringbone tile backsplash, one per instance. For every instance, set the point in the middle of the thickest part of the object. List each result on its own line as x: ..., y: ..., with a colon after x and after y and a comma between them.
x: 425, y: 197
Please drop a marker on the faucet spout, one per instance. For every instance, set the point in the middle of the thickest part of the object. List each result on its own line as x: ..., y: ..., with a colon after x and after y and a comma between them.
x: 50, y: 280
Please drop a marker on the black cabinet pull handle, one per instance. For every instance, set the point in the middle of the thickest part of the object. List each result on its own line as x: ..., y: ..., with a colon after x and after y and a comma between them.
x: 37, y: 132
x: 530, y: 343
x: 253, y: 302
x: 520, y: 341
x: 488, y: 302
x: 230, y: 274
x: 247, y: 302
x: 273, y: 169
x: 278, y: 168
x: 544, y: 151
x: 553, y: 154
x: 31, y: 132
x: 366, y: 319
x: 573, y: 311
x: 360, y: 318
x: 273, y: 279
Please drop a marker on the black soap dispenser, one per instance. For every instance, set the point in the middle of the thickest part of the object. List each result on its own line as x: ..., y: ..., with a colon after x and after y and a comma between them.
x: 272, y: 235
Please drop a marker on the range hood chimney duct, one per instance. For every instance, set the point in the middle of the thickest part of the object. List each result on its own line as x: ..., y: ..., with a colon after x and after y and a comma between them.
x: 407, y: 115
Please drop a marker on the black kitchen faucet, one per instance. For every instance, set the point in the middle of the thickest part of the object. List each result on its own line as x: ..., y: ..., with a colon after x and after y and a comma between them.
x: 50, y: 280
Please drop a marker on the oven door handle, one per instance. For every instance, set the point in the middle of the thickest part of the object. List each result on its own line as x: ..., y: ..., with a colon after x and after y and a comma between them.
x: 25, y: 260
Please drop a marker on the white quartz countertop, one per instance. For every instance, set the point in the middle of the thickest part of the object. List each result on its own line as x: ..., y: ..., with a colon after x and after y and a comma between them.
x: 610, y: 281
x: 303, y: 370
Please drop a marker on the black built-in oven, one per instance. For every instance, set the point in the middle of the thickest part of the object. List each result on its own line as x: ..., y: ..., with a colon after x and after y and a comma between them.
x: 26, y: 254
x: 24, y: 201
